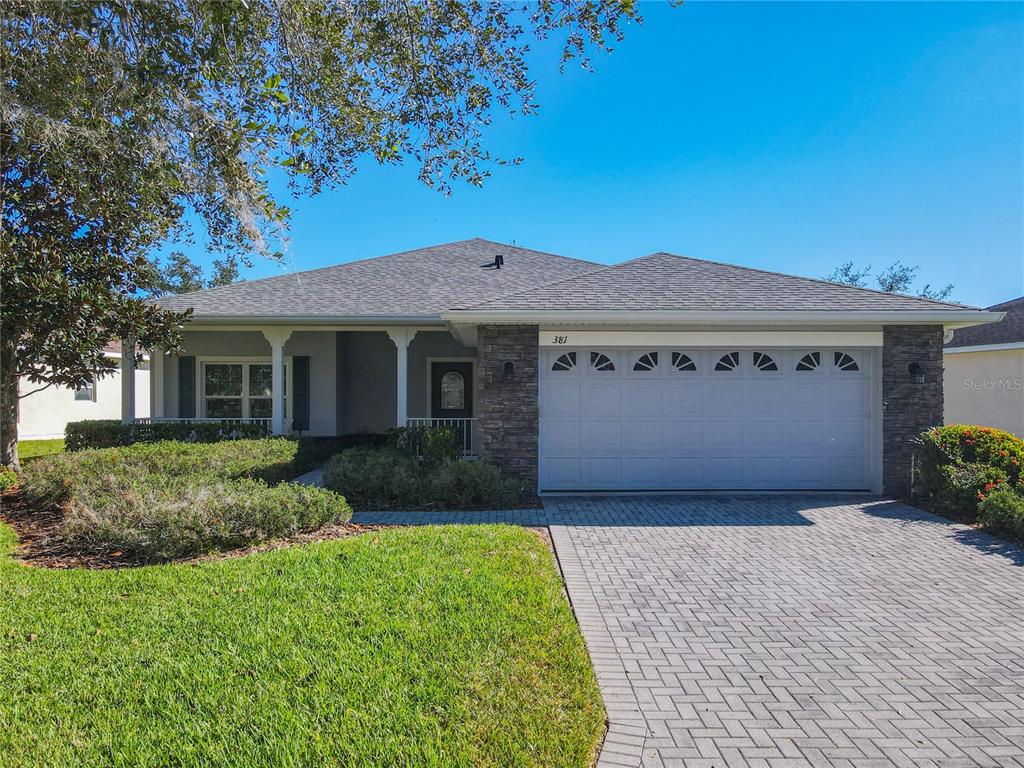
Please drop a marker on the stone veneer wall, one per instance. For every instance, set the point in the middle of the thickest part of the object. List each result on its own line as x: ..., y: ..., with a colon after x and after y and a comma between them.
x: 908, y: 407
x: 507, y: 412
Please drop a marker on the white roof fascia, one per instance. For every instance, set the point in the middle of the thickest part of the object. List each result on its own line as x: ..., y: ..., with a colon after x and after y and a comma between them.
x: 985, y: 347
x: 316, y: 319
x: 945, y: 317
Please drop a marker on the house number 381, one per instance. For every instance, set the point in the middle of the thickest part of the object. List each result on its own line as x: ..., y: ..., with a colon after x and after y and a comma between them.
x: 560, y: 340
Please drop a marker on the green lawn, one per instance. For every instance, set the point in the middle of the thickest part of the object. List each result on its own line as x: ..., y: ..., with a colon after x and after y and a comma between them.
x: 33, y: 449
x: 449, y: 646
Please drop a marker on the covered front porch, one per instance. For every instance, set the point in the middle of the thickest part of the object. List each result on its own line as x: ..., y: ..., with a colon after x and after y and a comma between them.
x: 332, y: 380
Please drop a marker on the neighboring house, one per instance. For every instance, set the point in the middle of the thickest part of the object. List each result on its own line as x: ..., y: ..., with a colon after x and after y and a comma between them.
x: 661, y: 373
x: 44, y: 414
x: 985, y: 372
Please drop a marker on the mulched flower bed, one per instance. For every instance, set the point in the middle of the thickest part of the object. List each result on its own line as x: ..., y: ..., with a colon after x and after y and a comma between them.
x: 41, y: 544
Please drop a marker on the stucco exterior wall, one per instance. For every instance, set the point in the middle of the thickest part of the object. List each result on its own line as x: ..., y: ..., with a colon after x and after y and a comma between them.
x: 210, y: 344
x: 353, y: 374
x: 318, y: 345
x: 371, y: 376
x: 43, y: 415
x: 985, y: 388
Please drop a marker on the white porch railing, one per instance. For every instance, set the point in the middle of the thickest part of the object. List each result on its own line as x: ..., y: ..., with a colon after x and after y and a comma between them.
x: 204, y: 420
x: 465, y: 431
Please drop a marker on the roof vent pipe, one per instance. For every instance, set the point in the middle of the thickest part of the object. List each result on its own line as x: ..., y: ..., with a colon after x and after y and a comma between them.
x: 496, y: 264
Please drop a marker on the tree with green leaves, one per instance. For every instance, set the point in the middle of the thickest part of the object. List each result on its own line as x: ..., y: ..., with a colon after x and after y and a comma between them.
x: 181, y: 275
x: 125, y: 124
x: 896, y: 278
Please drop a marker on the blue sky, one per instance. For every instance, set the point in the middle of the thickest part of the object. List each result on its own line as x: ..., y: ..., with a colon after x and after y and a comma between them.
x: 789, y: 137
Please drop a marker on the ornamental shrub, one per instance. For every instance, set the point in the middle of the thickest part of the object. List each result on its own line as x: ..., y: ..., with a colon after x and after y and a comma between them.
x: 1002, y: 512
x: 374, y: 478
x: 8, y: 478
x: 472, y: 485
x: 108, y: 433
x: 388, y: 478
x: 159, y: 519
x: 433, y: 445
x: 97, y: 433
x: 314, y: 451
x: 157, y: 501
x: 960, y: 463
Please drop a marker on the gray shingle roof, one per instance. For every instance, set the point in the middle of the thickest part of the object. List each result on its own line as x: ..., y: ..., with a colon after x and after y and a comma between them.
x: 419, y: 283
x: 665, y: 282
x: 1007, y: 331
x: 426, y: 282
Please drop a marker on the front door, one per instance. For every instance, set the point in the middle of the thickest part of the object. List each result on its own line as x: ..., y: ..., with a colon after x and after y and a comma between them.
x: 451, y: 390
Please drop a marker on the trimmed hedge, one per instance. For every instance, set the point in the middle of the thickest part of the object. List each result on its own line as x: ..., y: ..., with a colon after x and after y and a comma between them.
x: 960, y: 463
x: 431, y: 444
x: 387, y: 478
x: 160, y: 519
x: 109, y: 433
x: 159, y: 501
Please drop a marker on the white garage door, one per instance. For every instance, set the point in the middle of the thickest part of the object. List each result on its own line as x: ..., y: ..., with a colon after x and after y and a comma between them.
x: 663, y: 419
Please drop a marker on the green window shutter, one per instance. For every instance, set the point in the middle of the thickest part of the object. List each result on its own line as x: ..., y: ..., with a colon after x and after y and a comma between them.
x: 300, y: 396
x: 187, y: 387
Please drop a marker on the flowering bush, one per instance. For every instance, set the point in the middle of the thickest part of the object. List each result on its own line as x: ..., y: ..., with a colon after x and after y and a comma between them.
x: 1002, y: 511
x: 961, y: 464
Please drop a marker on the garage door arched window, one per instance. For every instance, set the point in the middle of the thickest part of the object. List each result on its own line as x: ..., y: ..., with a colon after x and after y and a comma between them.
x: 683, y: 362
x: 809, y: 362
x: 646, y: 362
x: 599, y: 361
x: 845, y: 362
x: 730, y: 361
x: 764, y: 362
x: 564, y: 362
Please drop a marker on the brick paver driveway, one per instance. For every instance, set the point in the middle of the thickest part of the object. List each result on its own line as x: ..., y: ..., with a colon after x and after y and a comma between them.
x: 778, y: 631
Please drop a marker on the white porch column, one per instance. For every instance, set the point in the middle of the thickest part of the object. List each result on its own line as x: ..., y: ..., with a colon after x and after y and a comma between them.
x: 402, y: 337
x: 127, y: 381
x: 277, y: 338
x: 156, y: 383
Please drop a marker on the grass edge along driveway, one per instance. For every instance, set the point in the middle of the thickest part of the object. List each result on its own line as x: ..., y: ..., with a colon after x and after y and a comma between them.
x: 434, y: 646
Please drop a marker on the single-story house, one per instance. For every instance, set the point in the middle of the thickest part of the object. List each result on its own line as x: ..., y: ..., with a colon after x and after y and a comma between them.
x: 43, y: 414
x: 660, y: 373
x: 985, y: 372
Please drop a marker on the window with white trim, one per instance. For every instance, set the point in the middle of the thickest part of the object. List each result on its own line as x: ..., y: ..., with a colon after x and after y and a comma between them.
x: 811, y: 361
x: 599, y: 361
x: 730, y: 361
x: 648, y: 361
x: 239, y: 390
x: 683, y: 362
x: 845, y: 362
x: 87, y: 391
x: 764, y: 362
x: 564, y: 362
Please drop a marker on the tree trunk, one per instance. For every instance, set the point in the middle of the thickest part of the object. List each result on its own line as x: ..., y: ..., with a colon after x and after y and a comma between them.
x: 8, y: 407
